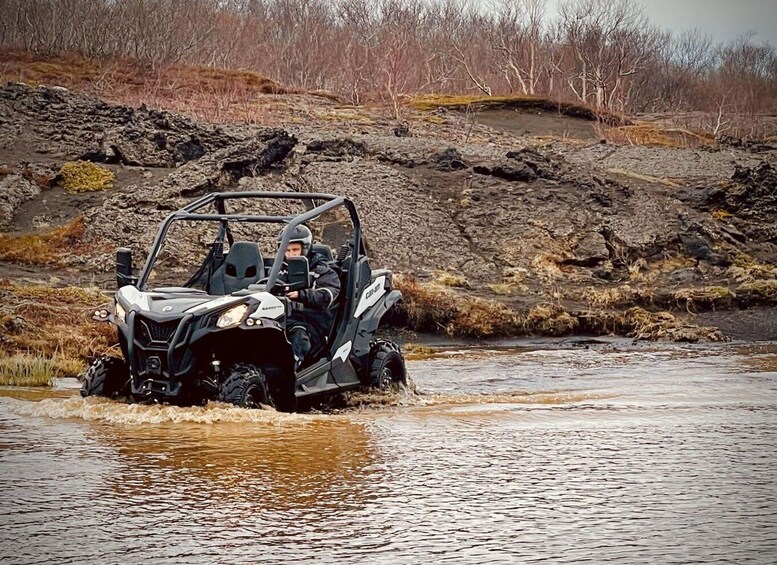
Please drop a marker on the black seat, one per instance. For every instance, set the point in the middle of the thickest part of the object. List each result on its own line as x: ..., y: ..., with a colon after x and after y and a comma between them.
x: 242, y: 266
x: 322, y: 249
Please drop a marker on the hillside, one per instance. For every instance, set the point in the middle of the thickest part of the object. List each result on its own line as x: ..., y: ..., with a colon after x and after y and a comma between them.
x: 505, y: 221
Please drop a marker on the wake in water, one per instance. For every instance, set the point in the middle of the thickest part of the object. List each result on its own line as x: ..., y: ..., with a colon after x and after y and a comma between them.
x: 115, y: 412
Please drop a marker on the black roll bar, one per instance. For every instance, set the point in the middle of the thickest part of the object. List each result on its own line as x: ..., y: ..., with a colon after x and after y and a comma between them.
x: 189, y: 212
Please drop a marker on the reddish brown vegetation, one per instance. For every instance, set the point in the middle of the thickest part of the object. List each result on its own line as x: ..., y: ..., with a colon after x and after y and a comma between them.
x: 43, y: 248
x: 599, y: 53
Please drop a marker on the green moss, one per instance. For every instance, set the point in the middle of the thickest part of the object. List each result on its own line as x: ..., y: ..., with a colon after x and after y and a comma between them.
x: 83, y: 176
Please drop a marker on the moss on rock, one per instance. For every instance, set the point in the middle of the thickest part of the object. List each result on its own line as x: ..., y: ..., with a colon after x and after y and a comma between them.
x: 84, y: 176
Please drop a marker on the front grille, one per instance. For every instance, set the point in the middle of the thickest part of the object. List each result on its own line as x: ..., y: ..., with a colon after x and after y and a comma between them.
x: 149, y: 331
x: 157, y: 367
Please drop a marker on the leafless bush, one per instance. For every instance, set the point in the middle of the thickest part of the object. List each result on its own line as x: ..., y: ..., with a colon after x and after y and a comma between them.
x: 603, y: 53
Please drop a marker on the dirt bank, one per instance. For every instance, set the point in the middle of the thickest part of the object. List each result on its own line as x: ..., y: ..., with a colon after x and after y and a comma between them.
x: 531, y: 213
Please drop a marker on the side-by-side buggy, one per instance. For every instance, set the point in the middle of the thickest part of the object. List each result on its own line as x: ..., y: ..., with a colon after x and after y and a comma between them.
x: 205, y: 318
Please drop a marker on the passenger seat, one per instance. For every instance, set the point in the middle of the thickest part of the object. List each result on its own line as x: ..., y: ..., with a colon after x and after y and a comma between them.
x: 242, y: 266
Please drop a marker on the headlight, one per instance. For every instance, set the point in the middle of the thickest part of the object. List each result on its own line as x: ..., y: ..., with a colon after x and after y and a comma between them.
x: 232, y: 316
x: 121, y: 313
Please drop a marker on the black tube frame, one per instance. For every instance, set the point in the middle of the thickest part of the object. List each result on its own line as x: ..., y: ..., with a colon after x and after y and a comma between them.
x: 189, y: 212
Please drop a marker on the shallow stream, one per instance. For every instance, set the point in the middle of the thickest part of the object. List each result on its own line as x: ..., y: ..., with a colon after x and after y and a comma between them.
x: 537, y: 452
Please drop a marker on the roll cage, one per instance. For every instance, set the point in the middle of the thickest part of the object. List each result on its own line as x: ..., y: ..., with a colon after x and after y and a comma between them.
x: 192, y: 212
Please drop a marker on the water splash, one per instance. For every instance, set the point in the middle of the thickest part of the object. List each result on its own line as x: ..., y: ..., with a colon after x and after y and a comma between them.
x: 102, y: 409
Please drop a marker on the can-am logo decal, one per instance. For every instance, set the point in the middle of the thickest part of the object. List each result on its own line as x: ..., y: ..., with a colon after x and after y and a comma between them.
x: 371, y: 295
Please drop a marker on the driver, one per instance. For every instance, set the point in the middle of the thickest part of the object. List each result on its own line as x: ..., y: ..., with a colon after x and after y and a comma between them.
x: 308, y: 328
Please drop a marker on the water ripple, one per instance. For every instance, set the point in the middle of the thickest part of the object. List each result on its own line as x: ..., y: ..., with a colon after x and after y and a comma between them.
x: 524, y: 457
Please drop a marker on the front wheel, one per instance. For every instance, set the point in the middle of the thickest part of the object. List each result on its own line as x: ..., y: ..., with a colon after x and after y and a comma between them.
x: 106, y: 376
x: 387, y: 366
x: 246, y: 386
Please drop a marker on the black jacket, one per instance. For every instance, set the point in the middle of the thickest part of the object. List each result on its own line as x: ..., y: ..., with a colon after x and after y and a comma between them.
x: 319, y: 301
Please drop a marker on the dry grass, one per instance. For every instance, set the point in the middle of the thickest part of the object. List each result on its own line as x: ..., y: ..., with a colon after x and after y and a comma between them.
x: 73, y: 70
x: 43, y: 248
x: 746, y: 269
x: 757, y: 292
x: 25, y: 369
x: 37, y: 369
x: 345, y: 114
x: 217, y: 95
x: 432, y: 307
x: 426, y: 103
x: 505, y: 289
x: 484, y: 318
x: 655, y: 135
x: 448, y: 279
x: 599, y: 297
x: 719, y: 214
x: 547, y: 267
x: 83, y: 176
x: 654, y: 326
x: 550, y: 319
x: 54, y: 323
x: 704, y: 298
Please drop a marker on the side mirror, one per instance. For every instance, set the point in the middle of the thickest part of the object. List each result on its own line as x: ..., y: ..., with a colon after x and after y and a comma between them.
x: 299, y: 273
x: 124, y: 267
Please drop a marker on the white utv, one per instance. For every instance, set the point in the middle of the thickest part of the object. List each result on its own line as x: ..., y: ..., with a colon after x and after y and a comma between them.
x: 220, y: 333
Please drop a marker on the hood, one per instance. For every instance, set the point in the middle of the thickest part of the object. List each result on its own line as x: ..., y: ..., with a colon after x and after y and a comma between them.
x: 164, y: 301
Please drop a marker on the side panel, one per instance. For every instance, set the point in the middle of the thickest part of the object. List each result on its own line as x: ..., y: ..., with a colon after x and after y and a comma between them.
x: 368, y: 325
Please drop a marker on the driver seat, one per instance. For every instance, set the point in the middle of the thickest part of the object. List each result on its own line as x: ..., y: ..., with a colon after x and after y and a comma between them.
x: 242, y: 266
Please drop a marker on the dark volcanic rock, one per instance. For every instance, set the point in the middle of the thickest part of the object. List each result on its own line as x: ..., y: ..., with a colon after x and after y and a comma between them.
x: 520, y: 173
x: 525, y: 165
x: 339, y: 147
x: 547, y: 228
x: 14, y: 190
x: 449, y: 160
x: 77, y: 126
x: 136, y: 215
x: 755, y: 190
x: 542, y: 166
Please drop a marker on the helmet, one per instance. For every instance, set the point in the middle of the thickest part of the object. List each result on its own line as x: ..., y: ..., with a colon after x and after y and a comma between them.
x: 300, y: 234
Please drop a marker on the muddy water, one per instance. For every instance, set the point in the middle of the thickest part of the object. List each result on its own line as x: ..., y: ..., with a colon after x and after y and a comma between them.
x: 508, y: 455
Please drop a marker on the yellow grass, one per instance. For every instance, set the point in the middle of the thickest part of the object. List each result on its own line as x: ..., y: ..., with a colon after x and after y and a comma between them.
x: 434, y: 307
x: 429, y: 102
x: 448, y: 279
x: 758, y: 291
x: 746, y: 269
x: 42, y: 248
x: 706, y: 297
x: 26, y: 370
x: 53, y: 322
x: 83, y: 176
x: 655, y: 135
x: 719, y: 214
x: 550, y: 319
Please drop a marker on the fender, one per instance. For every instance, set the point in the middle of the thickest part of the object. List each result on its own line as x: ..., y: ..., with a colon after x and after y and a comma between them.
x: 369, y: 324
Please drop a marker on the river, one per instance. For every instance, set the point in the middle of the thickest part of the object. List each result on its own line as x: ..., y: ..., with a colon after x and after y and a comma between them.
x: 534, y: 452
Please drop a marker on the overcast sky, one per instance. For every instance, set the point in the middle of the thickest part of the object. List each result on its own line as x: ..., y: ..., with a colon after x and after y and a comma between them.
x: 722, y: 19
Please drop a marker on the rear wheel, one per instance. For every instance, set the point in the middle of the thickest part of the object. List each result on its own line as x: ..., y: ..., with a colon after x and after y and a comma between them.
x: 106, y: 376
x: 387, y: 366
x: 245, y: 386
